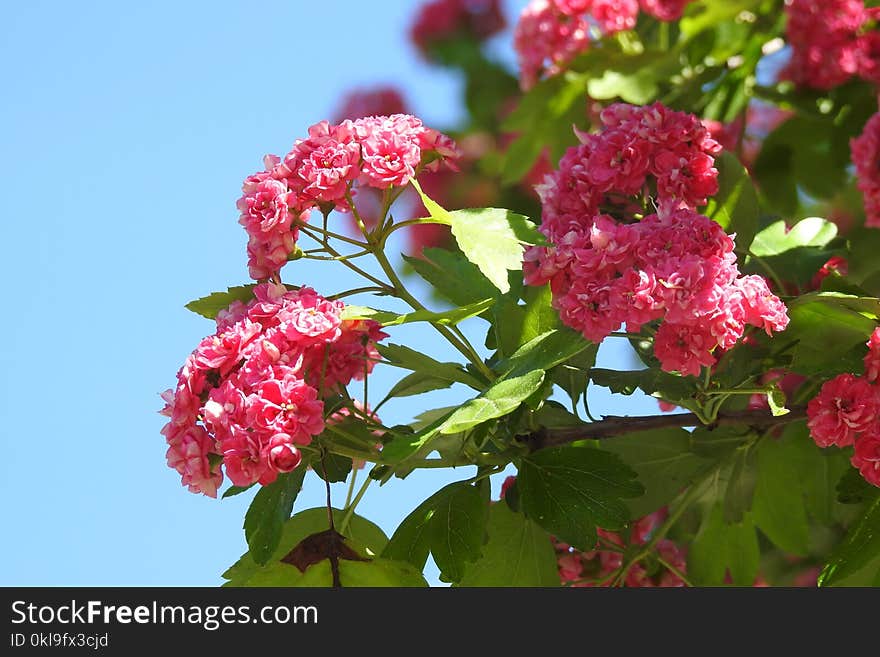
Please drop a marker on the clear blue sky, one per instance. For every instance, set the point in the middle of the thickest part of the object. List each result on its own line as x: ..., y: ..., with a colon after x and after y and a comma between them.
x: 125, y: 132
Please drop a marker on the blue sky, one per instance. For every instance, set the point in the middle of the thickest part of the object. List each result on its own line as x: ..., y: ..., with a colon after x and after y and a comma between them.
x: 125, y: 132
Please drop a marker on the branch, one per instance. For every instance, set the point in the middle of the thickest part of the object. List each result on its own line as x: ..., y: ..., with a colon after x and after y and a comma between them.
x: 613, y: 425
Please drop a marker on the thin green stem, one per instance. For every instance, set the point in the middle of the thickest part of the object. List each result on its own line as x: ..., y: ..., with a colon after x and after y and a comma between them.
x: 354, y: 476
x: 675, y: 571
x: 351, y: 265
x: 693, y: 493
x: 739, y: 391
x: 349, y: 508
x: 359, y: 290
x: 308, y: 228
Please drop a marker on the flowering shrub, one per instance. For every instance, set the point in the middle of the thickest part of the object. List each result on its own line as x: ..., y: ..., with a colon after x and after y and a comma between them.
x: 695, y: 180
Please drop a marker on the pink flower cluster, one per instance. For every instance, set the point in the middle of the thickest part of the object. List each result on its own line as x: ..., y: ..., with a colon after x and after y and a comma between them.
x: 550, y: 33
x: 444, y: 20
x: 831, y: 41
x: 250, y: 394
x: 323, y: 170
x: 847, y: 412
x: 598, y: 567
x: 675, y: 265
x: 865, y: 150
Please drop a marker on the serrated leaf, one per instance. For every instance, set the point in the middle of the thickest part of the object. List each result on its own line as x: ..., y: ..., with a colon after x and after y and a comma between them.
x: 502, y: 397
x: 778, y: 506
x: 719, y: 548
x: 456, y: 531
x: 446, y: 317
x: 366, y: 537
x: 356, y: 574
x: 664, y: 463
x: 544, y: 352
x: 235, y: 490
x: 860, y: 546
x: 852, y: 488
x: 493, y: 239
x: 743, y: 552
x: 651, y: 381
x: 417, y: 383
x: 407, y: 358
x: 571, y: 490
x: 212, y: 304
x: 735, y: 207
x: 741, y: 483
x: 777, y: 238
x: 333, y: 467
x: 830, y: 330
x: 519, y: 553
x: 268, y: 512
x: 515, y: 324
x: 452, y: 275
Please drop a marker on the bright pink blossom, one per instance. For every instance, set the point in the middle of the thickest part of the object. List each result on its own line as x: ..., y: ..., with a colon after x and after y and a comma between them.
x: 865, y: 151
x: 845, y: 406
x: 252, y: 393
x: 872, y: 360
x: 441, y: 21
x: 866, y: 457
x: 664, y: 10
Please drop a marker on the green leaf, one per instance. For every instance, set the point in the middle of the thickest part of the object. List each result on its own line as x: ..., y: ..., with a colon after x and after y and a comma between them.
x: 573, y: 375
x: 544, y: 118
x: 453, y: 276
x: 777, y: 238
x: 544, y: 352
x: 366, y: 537
x: 735, y: 206
x: 707, y: 13
x: 664, y: 463
x: 446, y: 317
x: 212, y: 304
x: 830, y: 330
x: 778, y: 505
x: 416, y: 383
x: 450, y: 524
x: 492, y: 239
x: 743, y: 552
x: 502, y: 397
x: 571, y: 490
x: 410, y: 359
x: 235, y: 490
x: 860, y: 546
x: 515, y: 325
x: 268, y: 512
x: 720, y: 547
x: 651, y: 381
x: 852, y: 488
x: 337, y: 467
x: 707, y: 556
x: 355, y: 574
x: 519, y: 553
x: 456, y: 531
x: 741, y: 483
x: 776, y: 400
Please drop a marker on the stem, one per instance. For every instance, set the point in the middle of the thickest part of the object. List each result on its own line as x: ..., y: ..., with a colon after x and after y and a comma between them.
x: 334, y: 557
x: 612, y: 426
x: 307, y: 228
x: 693, y: 493
x: 675, y: 571
x: 359, y: 290
x: 348, y: 264
x: 349, y: 508
x: 400, y: 289
x: 354, y: 476
x: 739, y: 391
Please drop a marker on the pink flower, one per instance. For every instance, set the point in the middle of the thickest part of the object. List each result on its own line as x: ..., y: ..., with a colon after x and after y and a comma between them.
x: 615, y: 15
x: 248, y: 393
x: 872, y: 360
x: 684, y: 348
x: 664, y: 10
x: 390, y: 157
x: 865, y: 151
x: 763, y: 308
x: 545, y: 40
x: 867, y: 457
x: 188, y: 454
x: 382, y: 100
x: 283, y: 455
x: 443, y: 20
x: 845, y: 406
